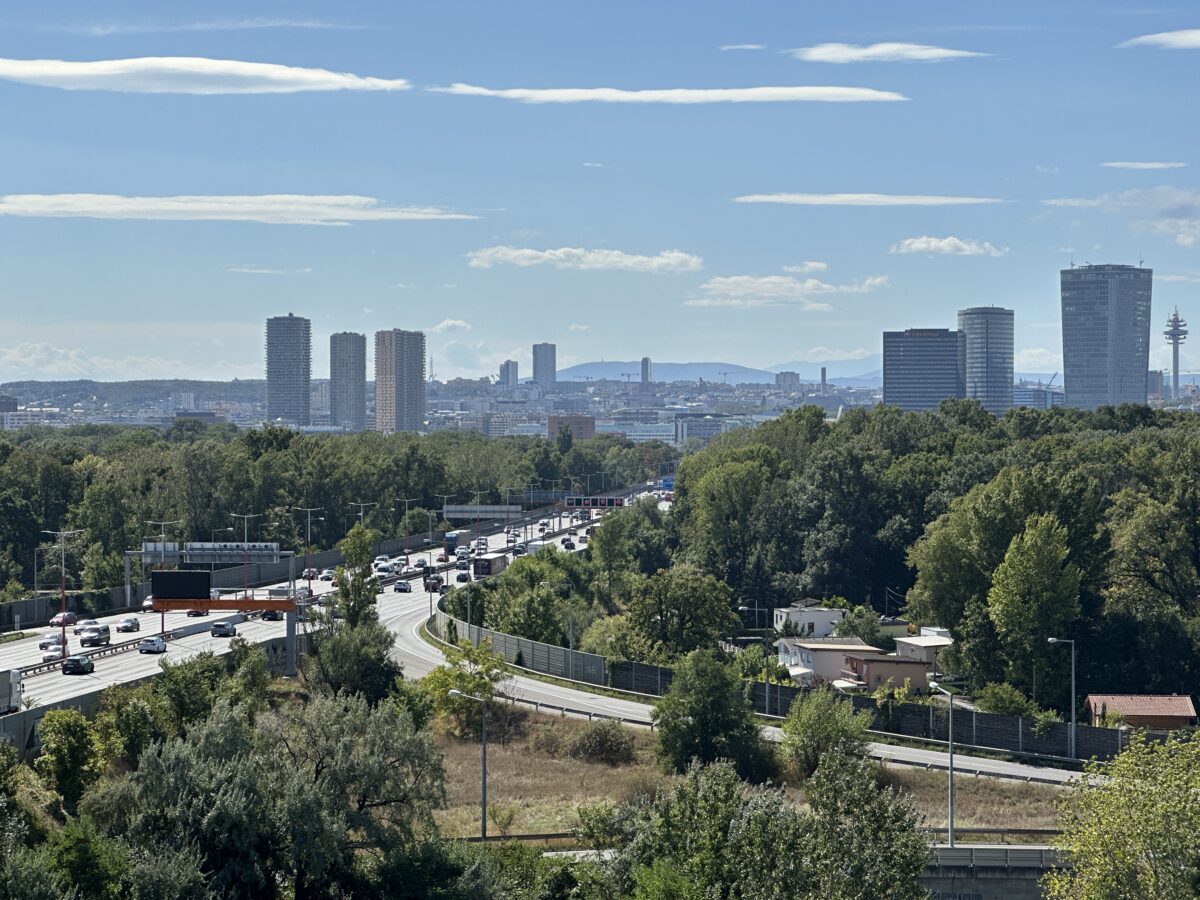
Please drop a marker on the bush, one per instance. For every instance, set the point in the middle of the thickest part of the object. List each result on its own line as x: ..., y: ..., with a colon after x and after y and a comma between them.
x: 820, y: 723
x: 603, y: 741
x: 548, y: 740
x: 1004, y: 699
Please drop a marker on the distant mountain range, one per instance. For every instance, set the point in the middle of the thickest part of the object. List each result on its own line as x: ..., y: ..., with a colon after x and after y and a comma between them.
x: 850, y: 372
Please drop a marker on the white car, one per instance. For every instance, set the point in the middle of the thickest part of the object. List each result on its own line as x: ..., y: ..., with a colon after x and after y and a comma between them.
x: 148, y: 604
x: 54, y: 654
x: 81, y: 627
x: 326, y: 575
x: 382, y: 559
x: 152, y: 645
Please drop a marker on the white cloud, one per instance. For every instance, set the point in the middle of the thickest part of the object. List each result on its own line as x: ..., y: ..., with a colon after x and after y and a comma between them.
x: 1163, y: 210
x: 264, y: 270
x: 575, y: 326
x: 1045, y: 170
x: 594, y: 165
x: 1037, y: 359
x: 106, y: 29
x: 752, y: 291
x: 949, y: 245
x: 1181, y: 279
x: 882, y: 52
x: 451, y: 325
x: 807, y: 267
x: 186, y: 75
x: 863, y: 199
x: 728, y: 47
x: 829, y: 354
x: 1124, y: 164
x: 38, y: 360
x: 816, y: 94
x: 579, y: 258
x: 275, y: 209
x: 1185, y: 39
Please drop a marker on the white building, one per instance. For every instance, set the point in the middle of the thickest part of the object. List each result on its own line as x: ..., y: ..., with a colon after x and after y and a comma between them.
x: 809, y: 618
x: 814, y: 661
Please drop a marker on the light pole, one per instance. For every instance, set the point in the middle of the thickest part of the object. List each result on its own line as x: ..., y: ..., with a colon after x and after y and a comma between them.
x: 362, y: 511
x: 213, y: 532
x: 62, y: 581
x: 308, y: 511
x: 933, y: 685
x: 455, y: 692
x: 404, y: 521
x: 1071, y: 733
x: 246, y: 517
x: 162, y: 544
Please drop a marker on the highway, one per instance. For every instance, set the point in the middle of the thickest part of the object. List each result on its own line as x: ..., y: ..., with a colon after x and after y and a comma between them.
x: 404, y: 614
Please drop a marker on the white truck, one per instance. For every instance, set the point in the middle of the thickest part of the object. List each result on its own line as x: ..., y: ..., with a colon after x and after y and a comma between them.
x: 11, y: 691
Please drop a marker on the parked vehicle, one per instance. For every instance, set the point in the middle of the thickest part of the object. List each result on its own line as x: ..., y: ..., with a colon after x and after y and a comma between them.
x: 11, y: 691
x: 81, y: 627
x: 152, y: 645
x: 129, y: 623
x: 402, y: 587
x: 78, y: 665
x: 51, y: 639
x: 97, y: 636
x: 63, y: 618
x: 223, y: 629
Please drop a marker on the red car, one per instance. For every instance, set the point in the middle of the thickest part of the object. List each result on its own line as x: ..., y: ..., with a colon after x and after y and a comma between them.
x: 441, y: 557
x: 63, y: 618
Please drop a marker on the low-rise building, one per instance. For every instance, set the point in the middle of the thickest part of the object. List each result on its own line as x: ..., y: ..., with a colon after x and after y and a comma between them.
x: 871, y: 671
x: 809, y: 618
x: 814, y: 661
x: 1167, y: 711
x: 922, y: 648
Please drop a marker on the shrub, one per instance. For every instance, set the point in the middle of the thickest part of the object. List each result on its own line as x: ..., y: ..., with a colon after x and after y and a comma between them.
x: 548, y: 740
x: 1004, y: 699
x: 603, y: 741
x: 820, y: 723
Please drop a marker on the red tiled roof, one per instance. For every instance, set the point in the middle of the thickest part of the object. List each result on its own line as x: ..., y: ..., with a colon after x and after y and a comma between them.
x: 1144, y: 704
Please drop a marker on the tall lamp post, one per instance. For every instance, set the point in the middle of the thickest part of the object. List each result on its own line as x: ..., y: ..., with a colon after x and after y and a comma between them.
x: 213, y: 532
x: 246, y: 517
x: 933, y: 685
x: 405, y: 501
x: 1071, y: 733
x: 62, y: 581
x: 455, y: 692
x: 362, y: 511
x: 308, y: 511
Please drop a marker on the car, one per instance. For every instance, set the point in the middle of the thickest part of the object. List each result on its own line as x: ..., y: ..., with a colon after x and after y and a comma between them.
x: 462, y: 576
x: 152, y: 645
x: 223, y: 629
x: 568, y: 545
x: 564, y: 540
x: 80, y: 627
x: 421, y: 562
x: 463, y: 564
x: 513, y: 538
x: 53, y: 654
x: 63, y: 618
x: 443, y: 588
x: 96, y: 636
x: 402, y: 587
x: 582, y: 539
x: 272, y: 615
x: 545, y: 522
x: 310, y: 573
x: 129, y: 623
x: 572, y: 532
x: 441, y: 557
x: 409, y: 570
x: 326, y: 575
x: 542, y: 529
x: 148, y: 604
x: 462, y: 552
x: 78, y: 665
x: 51, y: 639
x: 193, y: 613
x: 382, y: 559
x: 518, y: 550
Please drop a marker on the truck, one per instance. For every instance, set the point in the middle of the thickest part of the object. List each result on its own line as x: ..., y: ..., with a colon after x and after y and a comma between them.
x: 454, y: 539
x: 534, y: 546
x: 490, y: 564
x: 11, y: 691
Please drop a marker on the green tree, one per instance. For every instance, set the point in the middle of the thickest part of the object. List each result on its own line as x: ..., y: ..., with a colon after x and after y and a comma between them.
x: 71, y: 756
x: 821, y: 723
x: 352, y: 659
x: 354, y: 579
x: 1005, y: 700
x: 862, y: 622
x: 706, y: 715
x: 1132, y: 830
x: 681, y: 609
x: 473, y: 670
x: 90, y: 861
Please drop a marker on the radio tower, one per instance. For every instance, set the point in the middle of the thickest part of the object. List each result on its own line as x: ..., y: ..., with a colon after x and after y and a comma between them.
x: 1175, y: 334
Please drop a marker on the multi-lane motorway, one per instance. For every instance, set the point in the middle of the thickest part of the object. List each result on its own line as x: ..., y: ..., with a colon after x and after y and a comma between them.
x: 404, y: 614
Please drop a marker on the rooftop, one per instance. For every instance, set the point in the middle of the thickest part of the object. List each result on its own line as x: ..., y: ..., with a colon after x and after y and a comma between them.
x: 1144, y: 704
x: 926, y: 640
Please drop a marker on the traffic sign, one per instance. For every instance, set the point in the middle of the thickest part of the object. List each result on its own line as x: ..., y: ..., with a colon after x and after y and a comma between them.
x: 595, y: 502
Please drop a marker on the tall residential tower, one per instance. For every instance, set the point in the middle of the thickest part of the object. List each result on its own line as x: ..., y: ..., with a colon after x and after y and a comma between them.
x: 399, y: 380
x: 989, y: 337
x: 348, y: 380
x: 508, y: 373
x: 1106, y: 334
x: 289, y: 369
x: 545, y: 365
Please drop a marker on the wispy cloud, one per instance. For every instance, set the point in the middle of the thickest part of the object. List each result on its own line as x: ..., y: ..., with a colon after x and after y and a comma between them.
x: 951, y: 245
x: 1124, y: 164
x: 882, y: 52
x: 807, y: 267
x: 1186, y: 39
x: 863, y: 199
x: 264, y: 270
x: 594, y: 165
x: 753, y: 291
x: 1181, y: 279
x: 829, y: 354
x: 576, y: 326
x: 186, y: 75
x: 105, y: 29
x: 1037, y: 359
x: 273, y: 209
x: 447, y: 325
x: 1043, y: 169
x: 1164, y: 210
x: 728, y: 47
x: 686, y: 96
x: 579, y: 258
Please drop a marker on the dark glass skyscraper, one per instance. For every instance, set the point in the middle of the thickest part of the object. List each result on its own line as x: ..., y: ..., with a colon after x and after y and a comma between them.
x: 348, y: 380
x: 289, y: 369
x: 1106, y: 334
x: 989, y: 336
x: 923, y: 366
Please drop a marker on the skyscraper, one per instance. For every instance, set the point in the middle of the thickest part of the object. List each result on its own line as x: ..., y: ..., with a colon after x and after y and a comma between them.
x: 508, y: 373
x: 399, y: 380
x: 989, y: 336
x: 647, y: 373
x: 348, y: 380
x: 1106, y: 334
x: 923, y: 366
x: 545, y: 365
x: 289, y: 369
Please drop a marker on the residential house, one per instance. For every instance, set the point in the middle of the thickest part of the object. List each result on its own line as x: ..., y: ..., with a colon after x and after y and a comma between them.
x: 814, y: 661
x: 921, y: 647
x: 1166, y: 711
x: 809, y: 618
x: 870, y: 671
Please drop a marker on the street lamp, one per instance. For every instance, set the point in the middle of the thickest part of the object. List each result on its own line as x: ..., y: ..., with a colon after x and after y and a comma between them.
x: 62, y: 582
x: 754, y: 609
x: 246, y: 517
x: 362, y: 511
x: 934, y: 686
x: 308, y: 511
x: 455, y: 692
x: 1071, y: 733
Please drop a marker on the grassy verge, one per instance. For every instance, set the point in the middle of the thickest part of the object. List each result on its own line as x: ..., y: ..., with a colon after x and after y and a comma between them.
x: 12, y: 636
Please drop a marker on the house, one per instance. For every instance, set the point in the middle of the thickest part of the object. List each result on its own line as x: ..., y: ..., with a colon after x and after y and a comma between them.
x: 921, y: 647
x: 1166, y: 711
x: 809, y: 618
x: 870, y: 671
x: 890, y: 626
x: 812, y: 661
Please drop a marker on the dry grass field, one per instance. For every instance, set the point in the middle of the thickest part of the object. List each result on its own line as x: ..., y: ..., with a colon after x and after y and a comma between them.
x: 532, y: 778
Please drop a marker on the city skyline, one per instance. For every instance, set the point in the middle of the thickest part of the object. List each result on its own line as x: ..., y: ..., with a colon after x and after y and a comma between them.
x: 239, y: 163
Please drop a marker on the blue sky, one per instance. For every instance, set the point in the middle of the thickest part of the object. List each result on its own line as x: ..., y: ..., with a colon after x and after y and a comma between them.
x: 173, y: 174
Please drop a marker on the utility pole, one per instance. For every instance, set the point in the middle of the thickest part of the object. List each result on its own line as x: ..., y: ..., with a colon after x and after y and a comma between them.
x: 62, y: 586
x: 162, y: 545
x: 308, y: 511
x: 246, y: 517
x: 362, y: 511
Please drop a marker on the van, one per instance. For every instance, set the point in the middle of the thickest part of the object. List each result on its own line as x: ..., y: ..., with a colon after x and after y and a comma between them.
x: 95, y: 636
